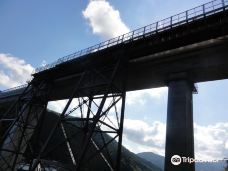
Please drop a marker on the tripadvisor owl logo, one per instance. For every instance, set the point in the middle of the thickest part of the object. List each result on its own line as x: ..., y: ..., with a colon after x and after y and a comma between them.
x: 176, y: 160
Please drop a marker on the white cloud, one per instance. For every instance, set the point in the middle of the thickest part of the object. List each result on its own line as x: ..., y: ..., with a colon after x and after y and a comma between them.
x: 13, y: 71
x: 104, y: 20
x: 57, y: 106
x: 134, y: 97
x: 150, y: 137
x: 211, y: 141
x: 226, y: 145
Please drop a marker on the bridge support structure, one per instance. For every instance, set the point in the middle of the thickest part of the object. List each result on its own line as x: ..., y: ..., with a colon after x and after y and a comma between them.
x: 89, y: 128
x: 30, y: 107
x: 179, y: 129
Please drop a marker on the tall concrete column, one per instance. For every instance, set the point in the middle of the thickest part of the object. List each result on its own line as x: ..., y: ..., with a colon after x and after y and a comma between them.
x: 179, y: 129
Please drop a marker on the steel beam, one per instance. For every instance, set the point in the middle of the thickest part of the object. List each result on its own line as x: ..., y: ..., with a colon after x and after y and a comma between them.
x: 29, y: 108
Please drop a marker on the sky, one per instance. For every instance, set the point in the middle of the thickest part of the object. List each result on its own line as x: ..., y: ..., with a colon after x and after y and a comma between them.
x: 34, y: 33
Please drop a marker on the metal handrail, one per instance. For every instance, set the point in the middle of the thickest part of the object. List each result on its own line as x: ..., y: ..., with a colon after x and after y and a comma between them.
x: 188, y: 16
x: 14, y: 88
x: 198, y: 12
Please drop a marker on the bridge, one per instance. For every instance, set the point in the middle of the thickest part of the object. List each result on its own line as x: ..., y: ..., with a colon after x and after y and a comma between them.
x: 177, y: 52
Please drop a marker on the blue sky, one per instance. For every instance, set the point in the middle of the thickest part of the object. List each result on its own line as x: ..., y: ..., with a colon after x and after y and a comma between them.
x: 46, y: 30
x: 36, y: 32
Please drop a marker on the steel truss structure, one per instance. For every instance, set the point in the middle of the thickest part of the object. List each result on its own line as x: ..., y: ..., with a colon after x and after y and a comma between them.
x: 87, y: 135
x: 28, y: 110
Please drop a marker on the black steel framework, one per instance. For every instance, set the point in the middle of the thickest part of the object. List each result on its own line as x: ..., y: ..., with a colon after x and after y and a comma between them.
x: 28, y: 109
x: 91, y: 120
x: 91, y: 126
x: 191, y: 15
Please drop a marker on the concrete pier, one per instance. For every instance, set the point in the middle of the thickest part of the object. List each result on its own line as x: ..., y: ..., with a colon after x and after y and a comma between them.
x: 179, y: 129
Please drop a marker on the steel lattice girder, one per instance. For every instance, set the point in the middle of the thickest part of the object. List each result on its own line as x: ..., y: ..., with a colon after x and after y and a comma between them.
x: 29, y: 108
x: 86, y: 127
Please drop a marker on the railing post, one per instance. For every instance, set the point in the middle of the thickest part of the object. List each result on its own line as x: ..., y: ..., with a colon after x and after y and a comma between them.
x: 144, y: 30
x: 87, y: 50
x: 186, y: 13
x: 80, y: 53
x: 213, y: 6
x: 204, y: 11
x: 223, y: 5
x: 156, y: 27
x: 133, y: 32
x: 99, y: 46
x: 108, y: 43
x: 118, y: 40
x: 123, y: 38
x: 171, y: 21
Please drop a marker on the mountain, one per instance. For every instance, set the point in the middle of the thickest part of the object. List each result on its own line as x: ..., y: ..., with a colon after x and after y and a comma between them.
x: 59, y: 154
x: 153, y: 158
x: 131, y: 161
x: 220, y: 166
x: 159, y: 161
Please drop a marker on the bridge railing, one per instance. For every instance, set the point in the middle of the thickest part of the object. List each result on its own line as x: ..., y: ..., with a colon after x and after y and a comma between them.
x: 201, y: 11
x: 11, y: 90
x: 196, y: 13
